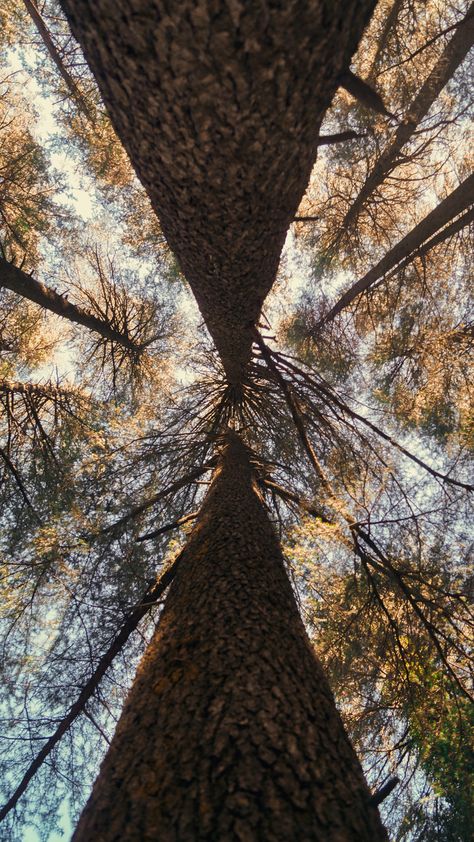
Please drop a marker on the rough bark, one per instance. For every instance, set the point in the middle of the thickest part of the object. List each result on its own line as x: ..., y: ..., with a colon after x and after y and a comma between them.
x: 219, y: 106
x: 48, y: 391
x: 453, y: 55
x: 230, y: 731
x: 14, y: 279
x: 422, y: 237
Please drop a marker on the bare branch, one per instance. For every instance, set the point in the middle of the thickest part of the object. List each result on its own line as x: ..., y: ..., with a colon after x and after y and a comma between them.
x: 454, y: 53
x: 339, y: 137
x: 19, y: 483
x: 176, y: 524
x: 151, y: 501
x: 151, y: 595
x: 292, y: 497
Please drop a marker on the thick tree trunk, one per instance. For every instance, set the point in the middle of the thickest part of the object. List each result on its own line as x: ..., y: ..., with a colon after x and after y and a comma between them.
x: 454, y: 54
x: 218, y: 105
x: 230, y: 731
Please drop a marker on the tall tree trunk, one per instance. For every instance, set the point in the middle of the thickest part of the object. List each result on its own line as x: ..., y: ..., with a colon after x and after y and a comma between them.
x: 219, y: 107
x: 55, y: 55
x: 426, y: 235
x: 19, y: 282
x: 452, y: 56
x: 384, y: 36
x: 230, y: 731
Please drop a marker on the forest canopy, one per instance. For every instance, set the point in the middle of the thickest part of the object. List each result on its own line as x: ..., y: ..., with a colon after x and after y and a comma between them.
x: 142, y: 318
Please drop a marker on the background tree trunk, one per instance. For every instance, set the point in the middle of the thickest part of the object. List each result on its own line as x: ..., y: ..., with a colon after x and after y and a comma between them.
x: 23, y: 284
x: 55, y: 55
x: 419, y: 240
x: 230, y: 731
x: 454, y: 53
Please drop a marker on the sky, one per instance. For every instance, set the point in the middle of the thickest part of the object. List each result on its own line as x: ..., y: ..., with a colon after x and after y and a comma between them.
x: 80, y: 191
x: 82, y: 204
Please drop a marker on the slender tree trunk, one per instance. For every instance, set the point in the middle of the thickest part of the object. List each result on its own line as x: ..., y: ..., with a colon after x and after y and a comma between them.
x: 14, y: 279
x: 230, y: 731
x: 389, y: 24
x: 454, y: 53
x: 419, y: 240
x: 78, y: 707
x: 48, y: 42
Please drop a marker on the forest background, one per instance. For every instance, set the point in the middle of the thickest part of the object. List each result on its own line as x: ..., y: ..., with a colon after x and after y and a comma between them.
x: 111, y: 394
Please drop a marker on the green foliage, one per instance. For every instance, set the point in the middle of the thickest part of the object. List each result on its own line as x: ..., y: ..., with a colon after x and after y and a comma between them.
x: 442, y: 729
x: 400, y: 706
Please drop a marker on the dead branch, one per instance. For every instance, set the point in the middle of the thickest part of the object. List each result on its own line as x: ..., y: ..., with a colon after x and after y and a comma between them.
x: 150, y: 597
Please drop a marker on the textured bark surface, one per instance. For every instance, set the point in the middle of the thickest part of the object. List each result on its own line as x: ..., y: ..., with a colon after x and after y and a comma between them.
x: 230, y: 731
x: 218, y: 105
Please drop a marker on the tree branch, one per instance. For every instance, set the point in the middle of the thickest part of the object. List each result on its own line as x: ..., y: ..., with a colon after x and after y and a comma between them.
x: 151, y: 595
x: 19, y: 282
x: 339, y: 137
x: 364, y: 93
x: 19, y: 483
x: 168, y: 527
x: 170, y: 489
x: 330, y: 397
x: 292, y: 497
x: 454, y: 53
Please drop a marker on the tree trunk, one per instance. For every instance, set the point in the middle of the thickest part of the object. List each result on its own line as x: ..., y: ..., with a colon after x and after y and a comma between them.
x: 389, y: 25
x: 48, y: 42
x: 219, y: 107
x: 419, y: 240
x: 454, y: 53
x: 230, y: 731
x: 19, y: 282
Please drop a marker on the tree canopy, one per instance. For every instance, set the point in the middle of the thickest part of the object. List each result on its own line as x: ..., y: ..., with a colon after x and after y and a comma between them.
x: 175, y: 262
